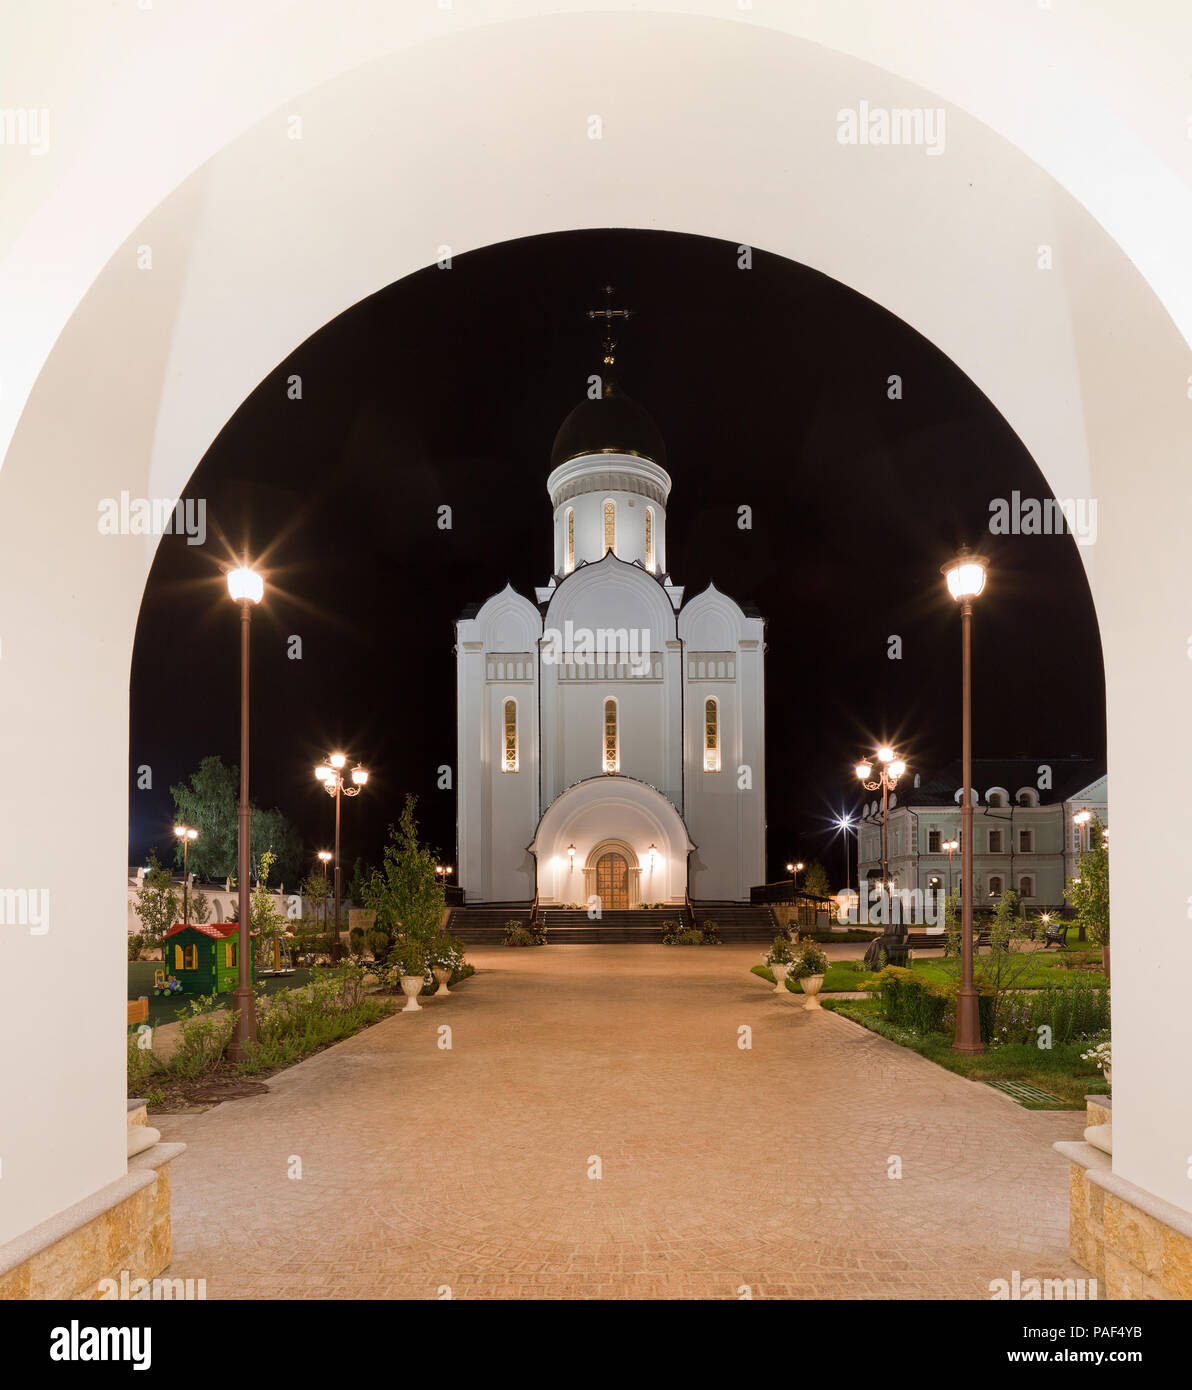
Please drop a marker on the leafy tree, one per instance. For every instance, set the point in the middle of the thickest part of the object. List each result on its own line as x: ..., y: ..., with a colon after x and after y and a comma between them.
x: 405, y: 891
x: 200, y: 908
x: 1089, y: 890
x: 816, y: 881
x: 264, y: 916
x: 361, y: 874
x: 157, y: 903
x: 316, y: 890
x: 208, y: 803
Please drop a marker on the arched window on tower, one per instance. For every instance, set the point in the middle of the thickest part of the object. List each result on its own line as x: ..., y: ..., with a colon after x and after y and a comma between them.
x: 570, y: 540
x: 711, y: 736
x: 509, y: 745
x: 612, y: 752
x: 610, y: 527
x: 650, y: 539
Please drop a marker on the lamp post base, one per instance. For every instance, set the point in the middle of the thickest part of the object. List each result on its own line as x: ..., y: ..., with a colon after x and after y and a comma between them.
x: 968, y: 1024
x: 244, y: 1002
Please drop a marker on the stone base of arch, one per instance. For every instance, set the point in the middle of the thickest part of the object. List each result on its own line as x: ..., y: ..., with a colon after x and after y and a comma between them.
x: 606, y: 815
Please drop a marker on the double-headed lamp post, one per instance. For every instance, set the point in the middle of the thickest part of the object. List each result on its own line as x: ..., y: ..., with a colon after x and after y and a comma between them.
x: 890, y: 769
x: 331, y: 774
x: 186, y: 835
x: 247, y: 588
x: 965, y: 577
x: 795, y: 870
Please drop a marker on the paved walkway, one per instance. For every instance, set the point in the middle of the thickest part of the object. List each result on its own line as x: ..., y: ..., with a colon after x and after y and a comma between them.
x: 721, y: 1169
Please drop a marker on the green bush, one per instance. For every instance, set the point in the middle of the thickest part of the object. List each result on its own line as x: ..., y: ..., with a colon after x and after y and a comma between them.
x: 142, y: 1064
x: 202, y: 1038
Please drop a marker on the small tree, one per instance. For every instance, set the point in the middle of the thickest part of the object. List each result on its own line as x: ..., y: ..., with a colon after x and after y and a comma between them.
x: 200, y: 908
x: 1005, y: 965
x: 316, y: 890
x: 405, y: 891
x: 816, y: 881
x: 264, y: 916
x: 1089, y: 891
x: 157, y: 903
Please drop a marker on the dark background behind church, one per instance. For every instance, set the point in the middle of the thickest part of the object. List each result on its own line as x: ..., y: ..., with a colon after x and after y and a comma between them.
x: 769, y: 385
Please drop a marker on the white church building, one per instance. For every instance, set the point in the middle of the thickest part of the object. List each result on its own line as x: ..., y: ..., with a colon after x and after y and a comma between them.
x: 611, y: 736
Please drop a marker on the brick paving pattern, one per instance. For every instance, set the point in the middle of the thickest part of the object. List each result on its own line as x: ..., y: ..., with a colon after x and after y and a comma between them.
x: 722, y: 1169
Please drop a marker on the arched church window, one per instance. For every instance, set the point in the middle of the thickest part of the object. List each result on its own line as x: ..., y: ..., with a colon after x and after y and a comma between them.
x: 650, y: 539
x: 509, y: 755
x: 612, y: 759
x: 610, y: 527
x: 711, y: 736
x: 570, y: 539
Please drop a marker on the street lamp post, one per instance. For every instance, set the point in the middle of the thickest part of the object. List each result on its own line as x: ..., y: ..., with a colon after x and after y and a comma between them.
x: 950, y: 846
x: 965, y: 577
x: 890, y: 769
x: 247, y: 588
x: 330, y: 774
x: 186, y: 835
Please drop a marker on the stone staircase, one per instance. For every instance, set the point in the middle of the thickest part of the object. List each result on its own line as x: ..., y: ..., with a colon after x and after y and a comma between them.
x: 636, y: 926
x: 739, y: 921
x: 485, y: 926
x: 479, y: 926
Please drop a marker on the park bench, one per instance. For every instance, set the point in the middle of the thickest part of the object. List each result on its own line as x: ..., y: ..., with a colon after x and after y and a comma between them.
x: 1055, y: 934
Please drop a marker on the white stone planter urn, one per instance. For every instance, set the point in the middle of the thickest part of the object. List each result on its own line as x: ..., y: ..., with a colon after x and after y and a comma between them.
x: 779, y: 969
x: 1107, y: 1072
x: 812, y: 984
x: 441, y: 975
x: 411, y: 987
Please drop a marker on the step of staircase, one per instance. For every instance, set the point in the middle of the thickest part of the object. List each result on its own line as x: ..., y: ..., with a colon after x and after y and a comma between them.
x: 477, y: 926
x: 739, y: 921
x: 736, y: 922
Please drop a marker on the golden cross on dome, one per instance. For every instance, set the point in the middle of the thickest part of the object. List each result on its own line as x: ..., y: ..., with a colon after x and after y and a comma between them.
x: 608, y: 313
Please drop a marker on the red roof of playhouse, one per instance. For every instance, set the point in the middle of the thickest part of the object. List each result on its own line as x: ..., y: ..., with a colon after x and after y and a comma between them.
x: 219, y: 930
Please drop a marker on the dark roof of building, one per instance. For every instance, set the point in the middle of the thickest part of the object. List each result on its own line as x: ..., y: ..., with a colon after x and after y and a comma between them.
x: 612, y: 423
x: 1068, y: 776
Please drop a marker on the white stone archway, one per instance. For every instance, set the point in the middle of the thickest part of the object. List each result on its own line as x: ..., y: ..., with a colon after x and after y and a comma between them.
x: 617, y: 813
x: 715, y: 126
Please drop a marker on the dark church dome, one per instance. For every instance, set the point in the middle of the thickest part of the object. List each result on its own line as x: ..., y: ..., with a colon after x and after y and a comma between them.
x: 610, y: 424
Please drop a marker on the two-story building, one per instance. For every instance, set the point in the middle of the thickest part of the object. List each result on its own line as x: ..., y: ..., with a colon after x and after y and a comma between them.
x: 1026, y: 835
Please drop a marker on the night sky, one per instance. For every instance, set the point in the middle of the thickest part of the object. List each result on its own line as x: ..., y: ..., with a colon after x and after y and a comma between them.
x: 769, y: 387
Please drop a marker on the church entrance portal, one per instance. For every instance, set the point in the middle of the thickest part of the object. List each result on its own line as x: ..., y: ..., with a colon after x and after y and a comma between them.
x: 612, y: 882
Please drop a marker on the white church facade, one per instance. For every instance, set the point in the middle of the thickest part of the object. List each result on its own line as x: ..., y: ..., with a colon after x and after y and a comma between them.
x: 611, y: 733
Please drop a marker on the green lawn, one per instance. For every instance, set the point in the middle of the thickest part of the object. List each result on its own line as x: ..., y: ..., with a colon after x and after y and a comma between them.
x: 170, y: 1008
x: 1045, y: 968
x: 1058, y: 1070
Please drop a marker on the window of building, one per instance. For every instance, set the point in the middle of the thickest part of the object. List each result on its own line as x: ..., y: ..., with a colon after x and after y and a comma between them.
x: 1026, y: 797
x: 995, y: 885
x: 1026, y: 841
x: 934, y: 841
x: 509, y: 739
x: 612, y: 758
x: 711, y: 736
x: 190, y: 958
x: 610, y: 527
x: 997, y: 798
x: 995, y: 842
x: 570, y: 540
x: 178, y: 957
x: 650, y: 539
x: 229, y: 953
x: 1026, y: 886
